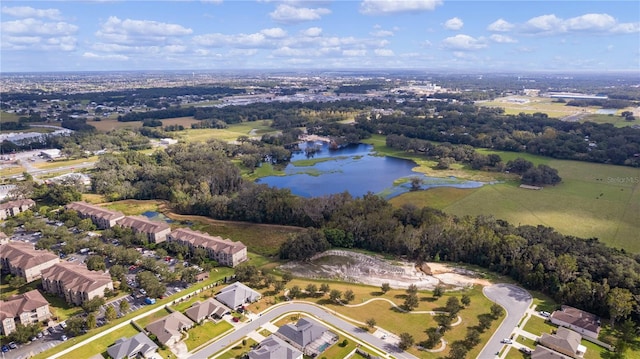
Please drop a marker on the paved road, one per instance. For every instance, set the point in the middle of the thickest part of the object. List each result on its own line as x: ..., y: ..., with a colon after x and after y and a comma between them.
x: 319, y: 313
x: 515, y: 301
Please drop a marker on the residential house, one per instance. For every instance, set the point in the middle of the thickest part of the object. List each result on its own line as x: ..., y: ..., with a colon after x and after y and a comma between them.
x: 544, y: 353
x: 28, y: 308
x: 138, y: 345
x: 236, y: 295
x: 585, y: 323
x: 75, y: 282
x: 303, y: 333
x: 273, y: 347
x: 565, y: 341
x: 12, y: 208
x: 209, y: 308
x: 103, y: 218
x: 22, y: 259
x: 155, y: 231
x: 224, y: 251
x: 169, y: 329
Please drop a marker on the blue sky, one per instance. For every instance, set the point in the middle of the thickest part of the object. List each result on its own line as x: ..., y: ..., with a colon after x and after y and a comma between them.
x: 433, y: 35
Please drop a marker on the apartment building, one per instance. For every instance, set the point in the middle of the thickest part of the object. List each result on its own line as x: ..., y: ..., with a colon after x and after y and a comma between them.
x: 22, y: 259
x: 155, y: 231
x: 224, y: 251
x: 12, y: 208
x: 103, y: 218
x: 75, y: 282
x: 28, y: 308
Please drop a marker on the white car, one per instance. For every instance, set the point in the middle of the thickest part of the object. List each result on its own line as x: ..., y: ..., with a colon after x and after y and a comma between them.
x: 506, y: 341
x: 545, y: 314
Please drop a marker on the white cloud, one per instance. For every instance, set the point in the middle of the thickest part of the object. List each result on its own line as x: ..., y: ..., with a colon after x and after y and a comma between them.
x: 91, y: 55
x: 595, y: 23
x: 383, y: 52
x: 503, y: 39
x: 37, y: 27
x: 256, y: 40
x: 463, y: 43
x: 274, y: 32
x: 381, y: 7
x: 381, y: 33
x: 312, y: 32
x: 289, y: 14
x: 500, y: 25
x: 354, y: 53
x: 27, y: 11
x: 142, y: 28
x: 454, y: 24
x: 591, y: 22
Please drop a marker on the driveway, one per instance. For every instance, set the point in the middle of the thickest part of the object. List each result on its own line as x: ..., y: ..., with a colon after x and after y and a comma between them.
x: 319, y: 313
x: 515, y: 301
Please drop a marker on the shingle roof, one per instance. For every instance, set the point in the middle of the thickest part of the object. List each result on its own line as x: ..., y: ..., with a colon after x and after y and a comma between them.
x: 17, y: 203
x: 93, y: 210
x: 237, y: 294
x: 76, y: 277
x: 564, y: 338
x: 18, y: 304
x: 200, y: 239
x: 273, y: 347
x: 199, y: 311
x: 142, y: 224
x: 24, y: 255
x: 169, y: 326
x: 543, y: 353
x: 303, y: 332
x: 577, y: 317
x: 124, y: 348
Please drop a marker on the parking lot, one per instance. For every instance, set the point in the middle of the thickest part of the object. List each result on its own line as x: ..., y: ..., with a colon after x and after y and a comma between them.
x: 48, y: 339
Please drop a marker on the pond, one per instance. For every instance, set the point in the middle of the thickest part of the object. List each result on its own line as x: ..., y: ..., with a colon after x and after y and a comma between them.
x: 157, y: 216
x: 355, y: 169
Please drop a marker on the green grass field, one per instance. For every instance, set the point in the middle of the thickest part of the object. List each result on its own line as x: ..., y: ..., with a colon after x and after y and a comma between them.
x: 532, y: 105
x: 231, y: 133
x: 100, y: 345
x: 615, y: 120
x: 593, y: 200
x: 201, y: 334
x: 236, y: 350
x: 106, y: 125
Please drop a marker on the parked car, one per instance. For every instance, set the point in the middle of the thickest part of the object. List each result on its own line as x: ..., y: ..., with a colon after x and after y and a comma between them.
x: 13, y: 345
x: 148, y: 300
x: 525, y: 350
x: 63, y: 325
x: 64, y: 338
x: 5, y: 348
x: 545, y: 314
x: 506, y: 341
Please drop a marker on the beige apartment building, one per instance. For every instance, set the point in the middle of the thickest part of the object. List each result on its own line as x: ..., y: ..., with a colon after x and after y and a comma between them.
x: 155, y: 231
x: 12, y: 208
x: 28, y: 308
x: 75, y: 282
x: 224, y: 251
x: 103, y: 218
x: 22, y: 259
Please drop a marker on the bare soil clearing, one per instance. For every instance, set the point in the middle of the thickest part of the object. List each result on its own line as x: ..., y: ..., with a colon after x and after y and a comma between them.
x: 374, y: 270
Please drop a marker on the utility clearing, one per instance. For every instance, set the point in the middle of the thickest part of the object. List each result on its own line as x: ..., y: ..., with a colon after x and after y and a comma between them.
x: 374, y: 270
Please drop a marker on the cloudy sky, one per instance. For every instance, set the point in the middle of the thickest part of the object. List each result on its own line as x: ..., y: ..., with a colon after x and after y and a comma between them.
x: 502, y: 35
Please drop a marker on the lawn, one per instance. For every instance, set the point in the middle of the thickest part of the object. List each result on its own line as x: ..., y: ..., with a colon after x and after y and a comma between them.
x: 64, y: 163
x: 135, y: 207
x: 537, y: 326
x: 337, y: 350
x: 201, y: 334
x: 101, y: 344
x: 593, y: 200
x: 106, y: 125
x: 231, y: 133
x: 237, y: 350
x: 143, y: 322
x: 532, y: 105
x: 615, y: 120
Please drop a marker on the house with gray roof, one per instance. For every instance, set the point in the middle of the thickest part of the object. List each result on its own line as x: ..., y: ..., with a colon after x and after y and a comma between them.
x: 585, y: 323
x: 544, y: 353
x: 301, y: 334
x: 138, y: 345
x: 273, y: 347
x: 237, y: 294
x: 209, y: 308
x: 564, y: 341
x: 169, y: 329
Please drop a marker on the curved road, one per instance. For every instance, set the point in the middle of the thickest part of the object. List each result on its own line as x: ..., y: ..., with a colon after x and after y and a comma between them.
x: 319, y: 313
x: 515, y: 301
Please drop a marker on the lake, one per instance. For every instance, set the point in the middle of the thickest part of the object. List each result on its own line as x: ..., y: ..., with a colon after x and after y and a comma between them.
x: 355, y: 169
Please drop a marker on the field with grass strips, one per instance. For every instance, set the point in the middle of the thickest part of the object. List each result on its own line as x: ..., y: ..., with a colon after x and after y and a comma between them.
x: 231, y: 133
x: 100, y: 345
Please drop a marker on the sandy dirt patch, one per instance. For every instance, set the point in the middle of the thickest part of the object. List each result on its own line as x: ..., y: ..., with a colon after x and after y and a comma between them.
x: 374, y: 270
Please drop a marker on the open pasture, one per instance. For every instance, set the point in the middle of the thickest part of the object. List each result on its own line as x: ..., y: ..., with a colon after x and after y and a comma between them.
x: 231, y: 133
